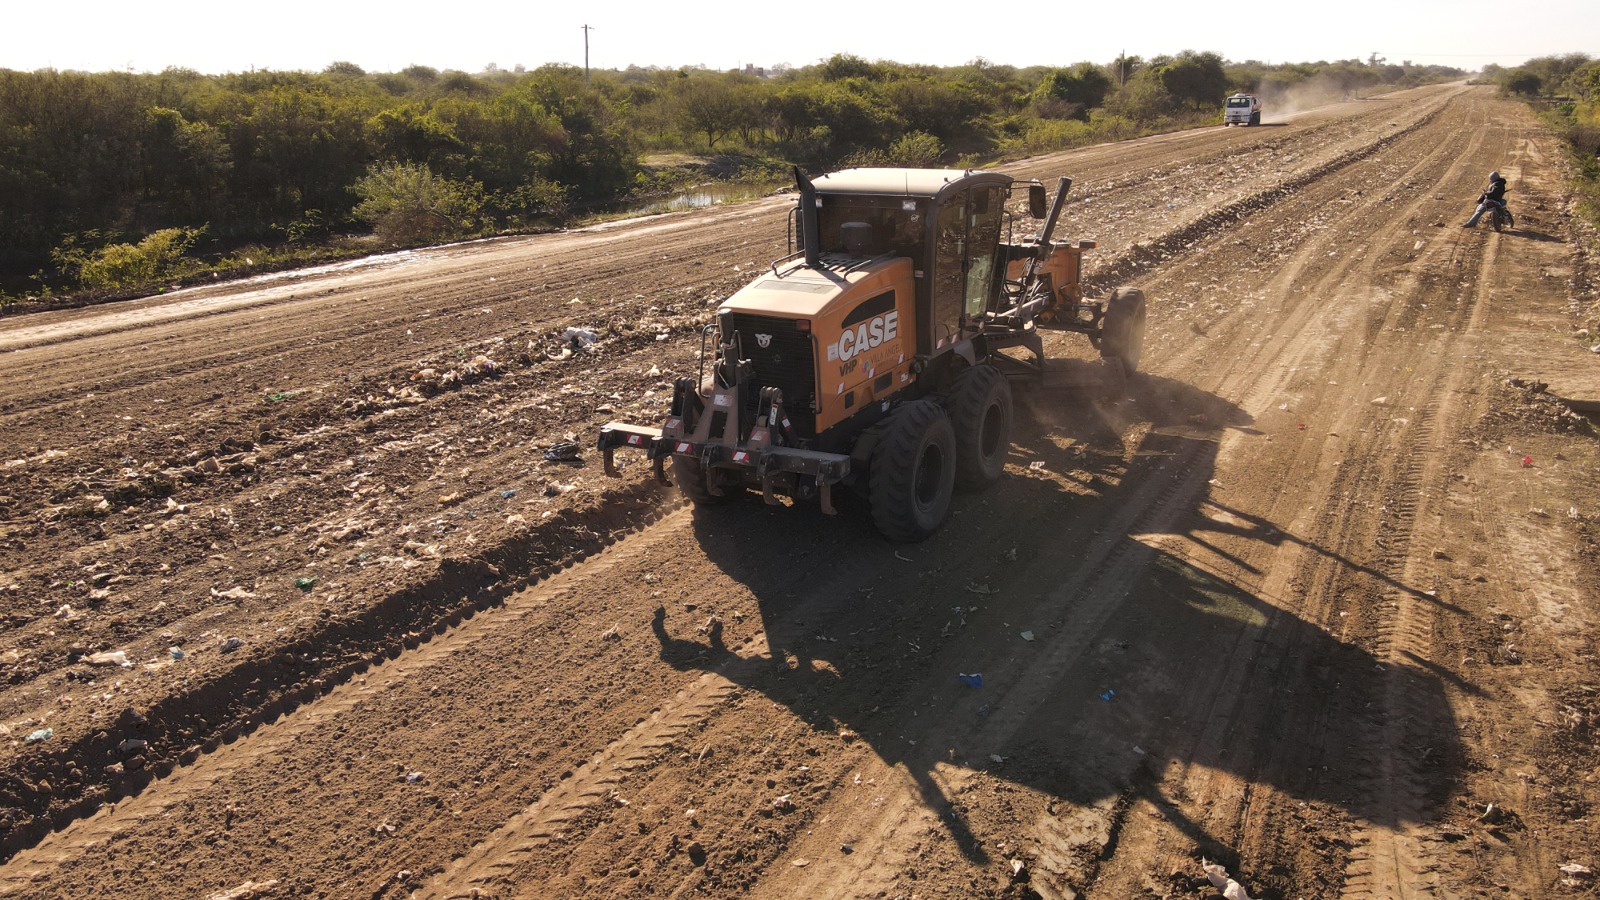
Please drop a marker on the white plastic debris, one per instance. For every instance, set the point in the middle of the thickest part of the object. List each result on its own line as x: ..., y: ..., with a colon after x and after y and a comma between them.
x: 109, y: 658
x: 582, y: 338
x: 1576, y: 869
x: 1218, y: 876
x: 1027, y: 635
x: 246, y: 891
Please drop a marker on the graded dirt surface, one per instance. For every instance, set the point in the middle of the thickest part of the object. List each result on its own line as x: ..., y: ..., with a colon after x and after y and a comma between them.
x: 1315, y: 600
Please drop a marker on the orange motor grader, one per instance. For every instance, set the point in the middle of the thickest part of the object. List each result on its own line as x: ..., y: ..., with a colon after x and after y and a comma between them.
x: 879, y: 354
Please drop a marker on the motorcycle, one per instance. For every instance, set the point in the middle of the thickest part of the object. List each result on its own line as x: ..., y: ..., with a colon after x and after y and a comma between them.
x: 1500, y: 217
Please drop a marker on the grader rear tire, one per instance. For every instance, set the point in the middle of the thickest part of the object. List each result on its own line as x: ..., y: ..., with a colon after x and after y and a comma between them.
x: 690, y: 476
x: 913, y: 472
x: 981, y: 415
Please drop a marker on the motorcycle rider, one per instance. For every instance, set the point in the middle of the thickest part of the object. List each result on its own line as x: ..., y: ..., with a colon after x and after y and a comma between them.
x: 1492, y: 196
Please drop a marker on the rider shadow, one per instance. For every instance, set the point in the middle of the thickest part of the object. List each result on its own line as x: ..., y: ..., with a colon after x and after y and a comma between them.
x: 1141, y: 661
x: 1531, y: 235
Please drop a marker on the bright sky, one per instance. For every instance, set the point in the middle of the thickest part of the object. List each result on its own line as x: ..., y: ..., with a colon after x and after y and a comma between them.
x: 97, y: 35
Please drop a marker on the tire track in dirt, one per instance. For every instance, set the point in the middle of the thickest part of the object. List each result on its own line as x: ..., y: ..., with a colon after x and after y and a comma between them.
x: 1290, y: 565
x: 493, y: 861
x: 276, y: 739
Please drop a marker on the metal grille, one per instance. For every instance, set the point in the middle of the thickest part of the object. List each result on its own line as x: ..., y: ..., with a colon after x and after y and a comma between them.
x: 786, y: 363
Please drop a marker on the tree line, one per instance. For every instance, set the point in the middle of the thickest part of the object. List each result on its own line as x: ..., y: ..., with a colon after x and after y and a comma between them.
x: 1566, y: 90
x: 120, y: 179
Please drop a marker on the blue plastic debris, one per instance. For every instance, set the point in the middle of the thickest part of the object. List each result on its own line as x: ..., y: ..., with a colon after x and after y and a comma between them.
x: 973, y: 680
x: 1108, y: 695
x: 43, y: 734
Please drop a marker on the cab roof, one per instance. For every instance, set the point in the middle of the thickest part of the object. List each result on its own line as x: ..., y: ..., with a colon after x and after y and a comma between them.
x: 902, y: 182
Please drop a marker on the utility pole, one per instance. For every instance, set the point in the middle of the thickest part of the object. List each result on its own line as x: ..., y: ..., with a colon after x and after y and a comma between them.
x: 586, y: 30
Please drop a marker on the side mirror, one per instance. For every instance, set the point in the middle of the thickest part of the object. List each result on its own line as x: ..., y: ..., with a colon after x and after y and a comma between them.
x: 1037, y: 206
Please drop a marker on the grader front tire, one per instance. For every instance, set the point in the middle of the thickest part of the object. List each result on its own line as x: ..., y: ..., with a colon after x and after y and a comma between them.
x: 1122, y: 333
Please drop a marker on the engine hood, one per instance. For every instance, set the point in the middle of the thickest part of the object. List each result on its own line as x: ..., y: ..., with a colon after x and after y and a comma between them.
x: 798, y: 291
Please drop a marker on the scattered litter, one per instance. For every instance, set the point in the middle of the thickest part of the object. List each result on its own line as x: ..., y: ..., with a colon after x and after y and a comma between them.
x: 133, y: 745
x: 1027, y: 635
x: 1527, y: 462
x: 234, y: 593
x: 611, y: 634
x: 563, y: 451
x: 176, y: 653
x: 579, y: 338
x: 1576, y: 869
x: 1380, y: 401
x: 232, y: 644
x: 507, y: 494
x: 902, y: 558
x: 306, y: 582
x: 783, y: 804
x: 413, y: 777
x: 1037, y: 465
x: 109, y: 658
x: 1108, y: 696
x: 43, y: 734
x: 1019, y: 871
x: 975, y: 588
x: 997, y: 759
x: 973, y: 680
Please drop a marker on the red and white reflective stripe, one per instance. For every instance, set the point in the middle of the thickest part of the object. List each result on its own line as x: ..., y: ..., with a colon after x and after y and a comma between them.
x: 635, y: 439
x: 685, y: 447
x: 741, y: 456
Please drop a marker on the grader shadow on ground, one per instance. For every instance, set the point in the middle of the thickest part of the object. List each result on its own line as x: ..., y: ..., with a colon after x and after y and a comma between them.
x: 1187, y: 669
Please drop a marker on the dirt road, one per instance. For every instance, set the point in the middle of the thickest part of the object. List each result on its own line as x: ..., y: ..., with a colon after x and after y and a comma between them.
x: 295, y: 604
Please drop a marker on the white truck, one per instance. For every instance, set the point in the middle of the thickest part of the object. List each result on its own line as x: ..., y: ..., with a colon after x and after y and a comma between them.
x: 1242, y: 109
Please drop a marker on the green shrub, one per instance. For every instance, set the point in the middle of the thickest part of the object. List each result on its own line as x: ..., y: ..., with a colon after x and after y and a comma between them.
x: 408, y: 204
x: 157, y: 256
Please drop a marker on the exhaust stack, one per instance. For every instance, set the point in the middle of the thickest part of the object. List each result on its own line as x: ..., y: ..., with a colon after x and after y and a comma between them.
x: 810, y: 230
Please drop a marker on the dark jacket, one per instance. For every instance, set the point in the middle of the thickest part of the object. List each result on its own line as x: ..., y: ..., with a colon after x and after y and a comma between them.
x: 1496, y: 192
